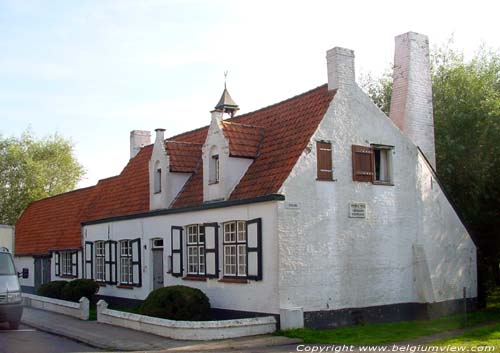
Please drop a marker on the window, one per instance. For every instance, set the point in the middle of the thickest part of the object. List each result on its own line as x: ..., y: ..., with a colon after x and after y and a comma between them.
x: 196, y: 249
x: 235, y: 249
x: 66, y: 263
x: 372, y: 164
x: 324, y: 160
x: 214, y: 169
x: 382, y: 160
x: 157, y: 178
x: 126, y: 274
x: 99, y: 261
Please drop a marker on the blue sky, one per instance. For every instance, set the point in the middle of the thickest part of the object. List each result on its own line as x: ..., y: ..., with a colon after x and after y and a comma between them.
x: 94, y: 70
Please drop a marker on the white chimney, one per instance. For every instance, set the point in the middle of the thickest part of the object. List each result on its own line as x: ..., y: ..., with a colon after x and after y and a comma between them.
x: 340, y: 65
x: 160, y: 136
x: 138, y: 139
x: 411, y: 102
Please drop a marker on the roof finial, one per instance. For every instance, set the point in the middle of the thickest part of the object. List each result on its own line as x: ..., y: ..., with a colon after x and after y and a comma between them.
x: 226, y: 103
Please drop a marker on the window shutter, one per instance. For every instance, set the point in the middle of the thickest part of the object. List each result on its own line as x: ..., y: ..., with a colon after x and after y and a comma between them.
x: 113, y: 264
x: 254, y: 249
x: 324, y: 160
x: 74, y: 263
x: 57, y: 262
x: 176, y: 251
x: 107, y: 262
x: 136, y: 262
x: 89, y: 257
x: 362, y: 163
x: 212, y: 250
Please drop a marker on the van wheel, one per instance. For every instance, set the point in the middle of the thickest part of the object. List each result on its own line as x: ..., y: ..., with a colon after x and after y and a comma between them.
x: 14, y: 325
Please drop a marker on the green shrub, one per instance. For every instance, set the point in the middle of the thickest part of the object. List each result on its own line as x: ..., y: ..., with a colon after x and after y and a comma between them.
x: 78, y: 288
x: 177, y: 303
x: 52, y: 289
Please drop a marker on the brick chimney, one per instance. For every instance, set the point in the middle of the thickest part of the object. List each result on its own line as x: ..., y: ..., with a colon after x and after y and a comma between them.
x: 138, y: 139
x: 340, y: 65
x: 411, y: 103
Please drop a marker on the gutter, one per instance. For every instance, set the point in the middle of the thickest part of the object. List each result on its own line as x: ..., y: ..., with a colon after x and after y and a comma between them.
x: 202, y: 207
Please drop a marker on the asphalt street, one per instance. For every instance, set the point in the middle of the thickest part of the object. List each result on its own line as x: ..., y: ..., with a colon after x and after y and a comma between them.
x: 28, y: 340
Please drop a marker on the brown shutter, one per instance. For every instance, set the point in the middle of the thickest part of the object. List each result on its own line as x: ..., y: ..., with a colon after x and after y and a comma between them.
x: 324, y: 162
x: 362, y: 163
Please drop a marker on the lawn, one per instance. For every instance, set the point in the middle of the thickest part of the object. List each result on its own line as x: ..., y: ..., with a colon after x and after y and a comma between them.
x: 484, y: 336
x: 374, y: 334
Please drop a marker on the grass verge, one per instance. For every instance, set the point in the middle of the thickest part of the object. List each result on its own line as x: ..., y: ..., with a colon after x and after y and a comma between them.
x: 484, y: 336
x: 375, y: 334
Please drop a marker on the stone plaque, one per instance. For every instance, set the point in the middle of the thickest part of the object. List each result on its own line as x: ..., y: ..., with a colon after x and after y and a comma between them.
x: 357, y: 210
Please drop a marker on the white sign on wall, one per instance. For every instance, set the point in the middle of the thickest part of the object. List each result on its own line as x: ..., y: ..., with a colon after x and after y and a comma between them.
x: 292, y: 205
x: 357, y: 210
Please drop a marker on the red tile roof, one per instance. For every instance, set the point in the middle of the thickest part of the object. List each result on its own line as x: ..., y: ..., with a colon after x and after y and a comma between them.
x: 184, y: 156
x: 244, y: 140
x: 288, y: 127
x: 52, y: 223
x: 275, y: 136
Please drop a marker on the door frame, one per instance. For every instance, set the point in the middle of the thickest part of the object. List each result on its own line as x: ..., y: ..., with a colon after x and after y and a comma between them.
x: 156, y: 247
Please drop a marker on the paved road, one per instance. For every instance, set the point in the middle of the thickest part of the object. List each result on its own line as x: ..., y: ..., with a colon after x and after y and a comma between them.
x: 28, y: 340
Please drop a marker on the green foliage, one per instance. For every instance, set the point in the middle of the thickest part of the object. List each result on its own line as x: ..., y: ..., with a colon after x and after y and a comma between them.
x: 52, y: 289
x: 177, y: 303
x: 466, y: 97
x: 79, y: 288
x: 31, y: 169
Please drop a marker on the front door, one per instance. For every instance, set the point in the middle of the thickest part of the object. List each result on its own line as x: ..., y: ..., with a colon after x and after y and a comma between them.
x: 42, y: 271
x: 157, y: 268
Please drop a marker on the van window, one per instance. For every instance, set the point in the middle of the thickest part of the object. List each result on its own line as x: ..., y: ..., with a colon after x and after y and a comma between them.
x: 6, y: 265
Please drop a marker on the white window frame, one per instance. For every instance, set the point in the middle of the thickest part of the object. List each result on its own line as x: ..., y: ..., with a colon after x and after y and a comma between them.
x: 126, y: 268
x: 235, y: 249
x: 214, y: 169
x: 100, y: 261
x: 66, y: 263
x: 195, y: 248
x: 383, y: 165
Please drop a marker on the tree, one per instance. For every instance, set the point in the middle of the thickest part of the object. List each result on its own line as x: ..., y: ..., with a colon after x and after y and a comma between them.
x: 466, y: 97
x: 31, y: 169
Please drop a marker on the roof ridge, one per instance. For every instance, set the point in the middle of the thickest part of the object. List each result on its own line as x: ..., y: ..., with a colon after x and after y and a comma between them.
x: 231, y: 120
x: 61, y: 194
x: 183, y: 142
x: 278, y: 103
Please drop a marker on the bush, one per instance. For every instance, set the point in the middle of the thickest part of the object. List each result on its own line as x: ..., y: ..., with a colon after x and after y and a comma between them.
x: 52, y: 289
x: 177, y: 303
x: 78, y: 288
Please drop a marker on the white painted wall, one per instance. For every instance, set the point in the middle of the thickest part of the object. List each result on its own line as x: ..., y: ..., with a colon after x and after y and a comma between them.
x: 256, y: 296
x: 231, y: 169
x: 329, y: 261
x: 159, y: 160
x: 449, y: 250
x: 29, y: 263
x: 7, y: 237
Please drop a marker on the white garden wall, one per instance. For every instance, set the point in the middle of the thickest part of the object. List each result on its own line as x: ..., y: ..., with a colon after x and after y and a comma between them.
x: 79, y: 310
x: 186, y: 330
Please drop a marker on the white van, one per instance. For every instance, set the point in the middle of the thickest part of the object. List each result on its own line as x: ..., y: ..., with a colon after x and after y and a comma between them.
x: 11, y: 307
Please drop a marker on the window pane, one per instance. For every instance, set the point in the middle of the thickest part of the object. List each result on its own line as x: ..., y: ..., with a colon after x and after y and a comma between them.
x: 242, y: 260
x: 242, y: 234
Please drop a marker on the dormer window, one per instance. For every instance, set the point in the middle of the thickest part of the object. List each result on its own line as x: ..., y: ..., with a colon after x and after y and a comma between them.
x: 214, y: 169
x: 157, y: 178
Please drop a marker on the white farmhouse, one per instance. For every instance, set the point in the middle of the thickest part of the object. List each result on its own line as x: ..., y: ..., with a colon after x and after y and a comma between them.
x: 320, y: 209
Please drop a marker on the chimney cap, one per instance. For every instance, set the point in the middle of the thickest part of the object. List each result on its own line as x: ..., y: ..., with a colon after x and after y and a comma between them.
x: 159, y: 129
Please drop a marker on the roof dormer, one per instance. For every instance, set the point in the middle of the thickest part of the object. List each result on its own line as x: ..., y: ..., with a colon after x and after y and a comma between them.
x: 228, y: 151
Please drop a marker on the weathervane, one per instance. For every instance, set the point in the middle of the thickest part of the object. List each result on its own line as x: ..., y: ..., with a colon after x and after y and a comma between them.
x: 225, y: 78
